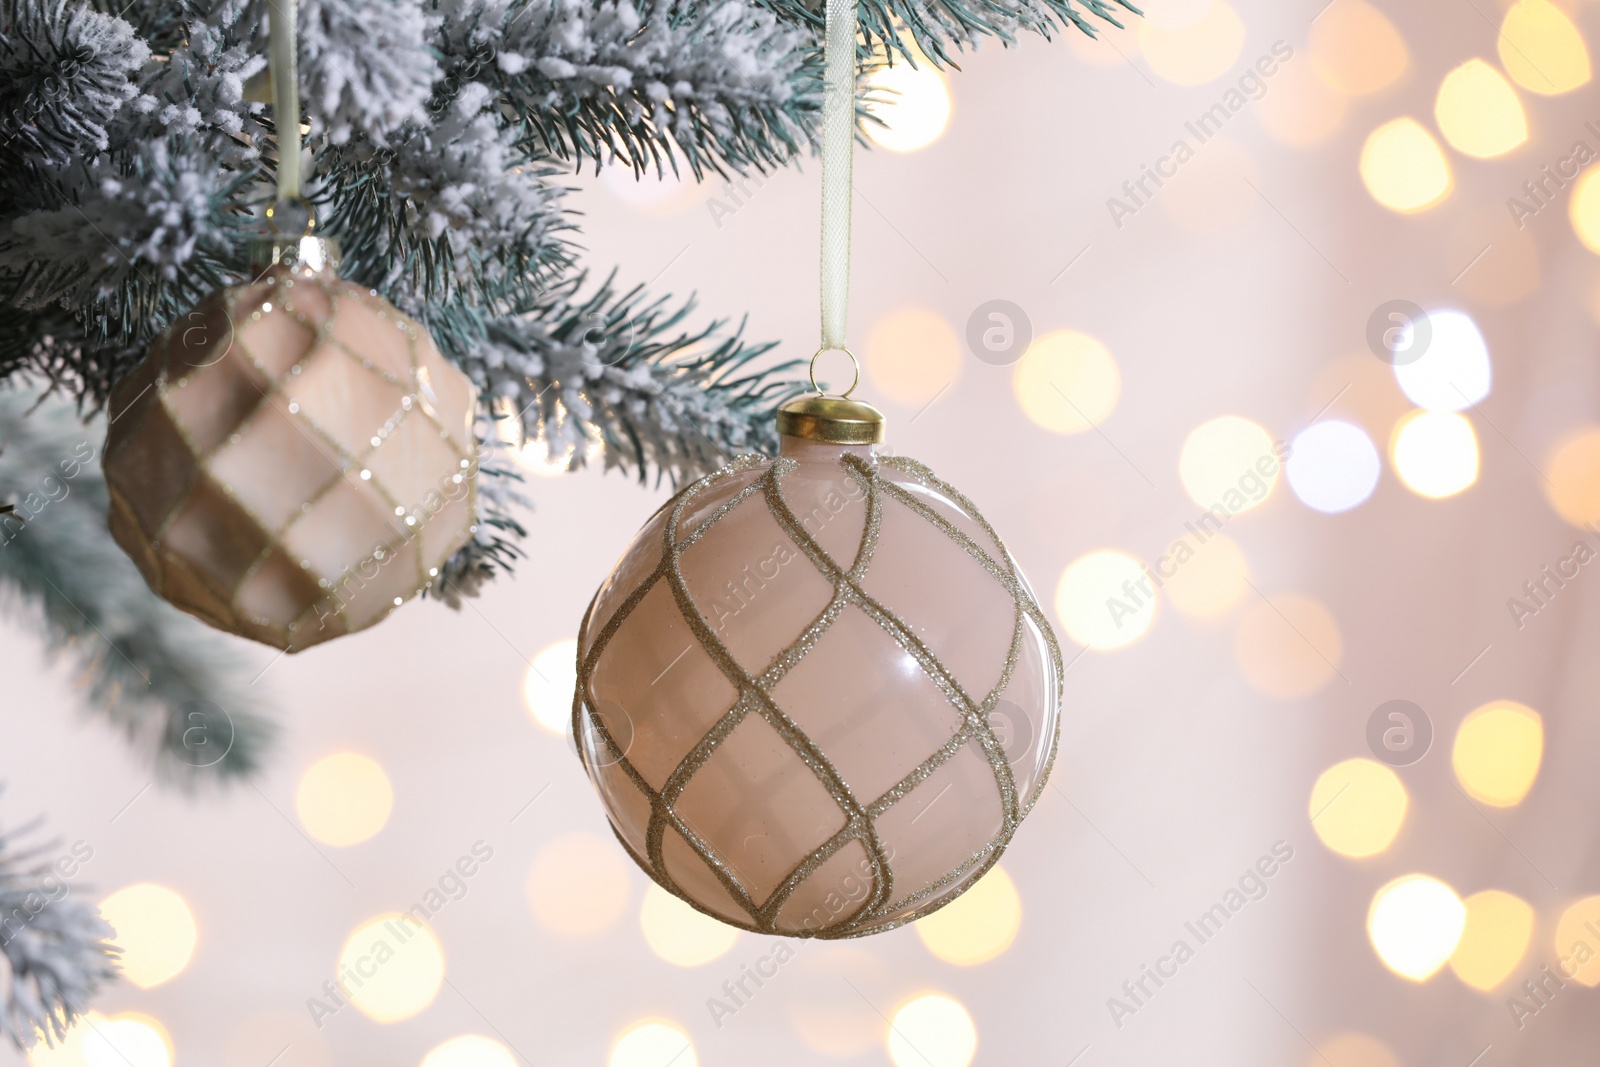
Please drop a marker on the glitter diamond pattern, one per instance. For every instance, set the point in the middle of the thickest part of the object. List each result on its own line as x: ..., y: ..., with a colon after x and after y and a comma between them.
x: 249, y: 460
x: 883, y: 907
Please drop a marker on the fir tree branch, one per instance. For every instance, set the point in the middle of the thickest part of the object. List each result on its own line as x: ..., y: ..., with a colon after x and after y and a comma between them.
x: 65, y: 70
x: 151, y: 671
x: 721, y: 84
x: 55, y: 952
x: 619, y: 367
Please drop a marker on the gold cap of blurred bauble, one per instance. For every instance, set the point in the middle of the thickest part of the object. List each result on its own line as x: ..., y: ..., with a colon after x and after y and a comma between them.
x: 294, y: 458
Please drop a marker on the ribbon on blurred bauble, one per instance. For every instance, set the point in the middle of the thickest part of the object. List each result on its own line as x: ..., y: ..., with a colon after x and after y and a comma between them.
x: 817, y: 696
x: 294, y: 458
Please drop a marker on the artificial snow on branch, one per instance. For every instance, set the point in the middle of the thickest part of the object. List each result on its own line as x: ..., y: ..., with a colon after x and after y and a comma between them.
x: 55, y: 951
x: 174, y: 687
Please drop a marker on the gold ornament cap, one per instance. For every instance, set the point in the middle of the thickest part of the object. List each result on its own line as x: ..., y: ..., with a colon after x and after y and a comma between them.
x: 835, y: 420
x: 832, y: 419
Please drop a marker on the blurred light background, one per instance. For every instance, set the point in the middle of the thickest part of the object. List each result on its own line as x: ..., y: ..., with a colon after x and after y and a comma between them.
x: 1313, y: 295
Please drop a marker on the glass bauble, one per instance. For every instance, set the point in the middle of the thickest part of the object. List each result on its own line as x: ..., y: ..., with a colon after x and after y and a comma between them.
x: 817, y: 695
x: 292, y: 460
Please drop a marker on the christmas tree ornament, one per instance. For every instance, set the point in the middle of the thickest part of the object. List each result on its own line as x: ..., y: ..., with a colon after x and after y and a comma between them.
x: 294, y: 458
x: 817, y: 696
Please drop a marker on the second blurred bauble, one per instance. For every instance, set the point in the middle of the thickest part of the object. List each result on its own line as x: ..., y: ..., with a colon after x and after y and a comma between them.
x: 293, y: 459
x: 817, y: 695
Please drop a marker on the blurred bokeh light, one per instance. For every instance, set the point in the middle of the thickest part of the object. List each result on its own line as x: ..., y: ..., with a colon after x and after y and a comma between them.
x: 1355, y: 49
x: 1453, y: 371
x: 653, y: 1043
x: 344, y: 799
x: 129, y: 1039
x: 548, y: 685
x: 155, y: 930
x: 1209, y: 582
x: 1288, y: 647
x: 470, y: 1050
x: 1573, y: 478
x: 391, y: 967
x: 932, y: 1030
x: 912, y: 356
x: 1404, y: 168
x: 1415, y: 923
x: 1193, y: 53
x: 1067, y: 382
x: 1577, y: 941
x: 579, y: 885
x: 1435, y: 453
x: 913, y: 102
x: 1105, y: 600
x: 1334, y: 466
x: 1497, y: 753
x: 680, y: 935
x: 1357, y: 807
x: 1229, y: 461
x: 1478, y: 111
x: 1498, y: 931
x: 978, y: 925
x: 1541, y: 48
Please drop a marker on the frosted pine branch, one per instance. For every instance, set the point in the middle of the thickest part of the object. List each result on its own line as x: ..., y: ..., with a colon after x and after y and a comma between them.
x: 620, y: 368
x: 65, y: 70
x: 151, y: 671
x: 55, y: 950
x: 722, y: 83
x: 366, y: 66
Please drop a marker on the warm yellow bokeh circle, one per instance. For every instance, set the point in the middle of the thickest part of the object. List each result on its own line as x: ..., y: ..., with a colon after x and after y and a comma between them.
x: 391, y: 967
x: 1578, y: 942
x: 679, y: 934
x: 1358, y: 807
x: 1288, y: 647
x: 1435, y: 453
x: 155, y: 930
x: 1415, y: 923
x: 912, y: 356
x: 1105, y: 601
x: 1404, y: 168
x: 978, y: 925
x: 1584, y: 209
x: 1478, y: 111
x: 1573, y: 478
x: 653, y: 1043
x: 344, y: 799
x: 1542, y: 49
x: 579, y: 886
x: 470, y: 1050
x: 1498, y: 931
x: 1067, y: 382
x: 932, y: 1030
x: 1229, y: 464
x: 128, y: 1039
x: 548, y: 684
x: 913, y: 102
x: 1497, y: 753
